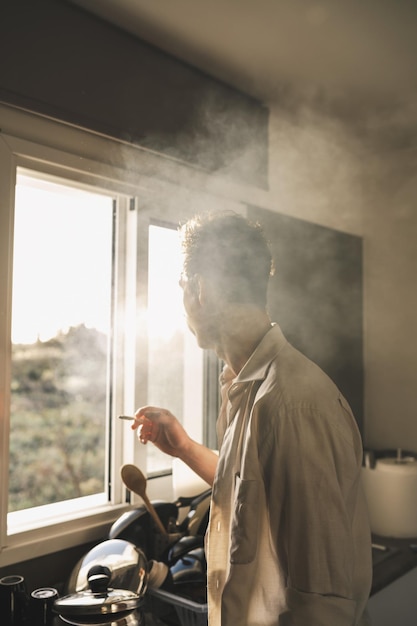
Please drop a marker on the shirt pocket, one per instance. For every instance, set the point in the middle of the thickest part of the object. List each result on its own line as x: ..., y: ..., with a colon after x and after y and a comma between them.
x: 244, y: 529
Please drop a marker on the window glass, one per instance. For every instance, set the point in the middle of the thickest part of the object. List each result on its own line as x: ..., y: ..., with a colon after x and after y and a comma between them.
x: 175, y: 361
x: 61, y: 350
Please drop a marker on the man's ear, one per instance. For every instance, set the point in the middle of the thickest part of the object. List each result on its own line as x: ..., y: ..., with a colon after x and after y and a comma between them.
x: 206, y: 292
x: 203, y: 293
x: 194, y: 288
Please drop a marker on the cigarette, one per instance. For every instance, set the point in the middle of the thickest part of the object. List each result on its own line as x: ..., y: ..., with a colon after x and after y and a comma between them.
x: 130, y: 418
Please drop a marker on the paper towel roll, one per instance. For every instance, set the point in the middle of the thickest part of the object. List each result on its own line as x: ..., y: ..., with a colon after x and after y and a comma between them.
x: 185, y: 482
x: 391, y: 492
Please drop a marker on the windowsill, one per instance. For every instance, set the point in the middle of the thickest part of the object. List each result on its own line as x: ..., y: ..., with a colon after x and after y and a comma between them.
x: 81, y: 528
x: 56, y: 536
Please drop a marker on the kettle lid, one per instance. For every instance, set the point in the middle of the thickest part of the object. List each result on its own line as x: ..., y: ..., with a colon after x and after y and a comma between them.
x: 99, y: 599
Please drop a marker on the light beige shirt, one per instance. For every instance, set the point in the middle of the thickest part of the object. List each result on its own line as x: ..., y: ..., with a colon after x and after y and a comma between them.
x: 288, y: 541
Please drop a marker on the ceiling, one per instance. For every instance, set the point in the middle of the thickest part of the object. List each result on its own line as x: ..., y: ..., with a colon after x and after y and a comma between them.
x: 361, y: 52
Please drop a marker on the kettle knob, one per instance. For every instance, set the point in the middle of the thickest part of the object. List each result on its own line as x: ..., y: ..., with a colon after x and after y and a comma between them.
x: 98, y: 578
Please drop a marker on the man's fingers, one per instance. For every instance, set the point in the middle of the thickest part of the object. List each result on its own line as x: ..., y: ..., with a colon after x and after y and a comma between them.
x: 144, y: 415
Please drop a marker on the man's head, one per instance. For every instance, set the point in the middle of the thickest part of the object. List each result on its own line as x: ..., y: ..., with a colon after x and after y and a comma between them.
x: 230, y: 253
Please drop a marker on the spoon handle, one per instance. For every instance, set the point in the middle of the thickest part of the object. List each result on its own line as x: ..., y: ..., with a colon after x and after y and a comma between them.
x: 154, y: 514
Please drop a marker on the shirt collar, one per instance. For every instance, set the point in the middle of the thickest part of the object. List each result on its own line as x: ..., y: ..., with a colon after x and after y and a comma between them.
x: 257, y: 365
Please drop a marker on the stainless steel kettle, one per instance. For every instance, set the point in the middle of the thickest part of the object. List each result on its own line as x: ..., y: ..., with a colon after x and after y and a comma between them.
x: 106, y: 587
x: 127, y: 563
x: 99, y: 604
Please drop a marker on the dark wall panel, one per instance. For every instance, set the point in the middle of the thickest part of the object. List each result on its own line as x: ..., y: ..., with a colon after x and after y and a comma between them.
x: 59, y: 60
x: 316, y: 297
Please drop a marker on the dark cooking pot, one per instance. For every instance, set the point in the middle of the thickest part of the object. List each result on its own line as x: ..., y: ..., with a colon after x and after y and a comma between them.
x: 100, y: 604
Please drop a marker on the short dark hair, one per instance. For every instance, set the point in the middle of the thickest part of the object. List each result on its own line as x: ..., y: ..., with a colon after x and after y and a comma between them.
x: 232, y: 252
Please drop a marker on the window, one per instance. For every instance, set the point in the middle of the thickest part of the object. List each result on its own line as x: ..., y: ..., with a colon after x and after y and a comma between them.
x: 171, y: 349
x: 91, y: 326
x: 62, y: 294
x: 63, y: 384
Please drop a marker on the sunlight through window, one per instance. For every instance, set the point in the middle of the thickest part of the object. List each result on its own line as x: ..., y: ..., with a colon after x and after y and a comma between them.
x: 175, y: 360
x: 61, y: 317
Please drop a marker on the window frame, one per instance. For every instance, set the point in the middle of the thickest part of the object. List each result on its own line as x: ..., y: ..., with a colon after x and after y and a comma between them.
x: 79, y: 524
x: 151, y: 187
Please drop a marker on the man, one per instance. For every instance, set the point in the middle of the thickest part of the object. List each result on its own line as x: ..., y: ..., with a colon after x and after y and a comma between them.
x: 288, y: 541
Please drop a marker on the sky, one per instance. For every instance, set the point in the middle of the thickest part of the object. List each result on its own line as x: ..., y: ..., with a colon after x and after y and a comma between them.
x: 62, y: 254
x: 62, y: 264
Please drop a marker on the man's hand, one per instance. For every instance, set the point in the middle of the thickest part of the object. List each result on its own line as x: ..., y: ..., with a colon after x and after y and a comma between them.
x: 162, y: 428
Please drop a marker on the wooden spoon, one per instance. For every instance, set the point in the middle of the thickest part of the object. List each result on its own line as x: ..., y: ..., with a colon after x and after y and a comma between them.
x: 135, y: 480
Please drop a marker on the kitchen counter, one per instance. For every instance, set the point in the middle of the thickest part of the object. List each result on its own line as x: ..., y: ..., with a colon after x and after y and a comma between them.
x: 399, y: 557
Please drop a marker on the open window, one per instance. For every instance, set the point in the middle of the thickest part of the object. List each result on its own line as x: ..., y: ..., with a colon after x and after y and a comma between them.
x: 174, y: 363
x: 91, y: 326
x: 61, y: 387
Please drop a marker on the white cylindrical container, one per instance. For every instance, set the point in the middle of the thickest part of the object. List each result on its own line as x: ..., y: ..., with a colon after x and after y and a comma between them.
x: 391, y: 491
x: 185, y: 482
